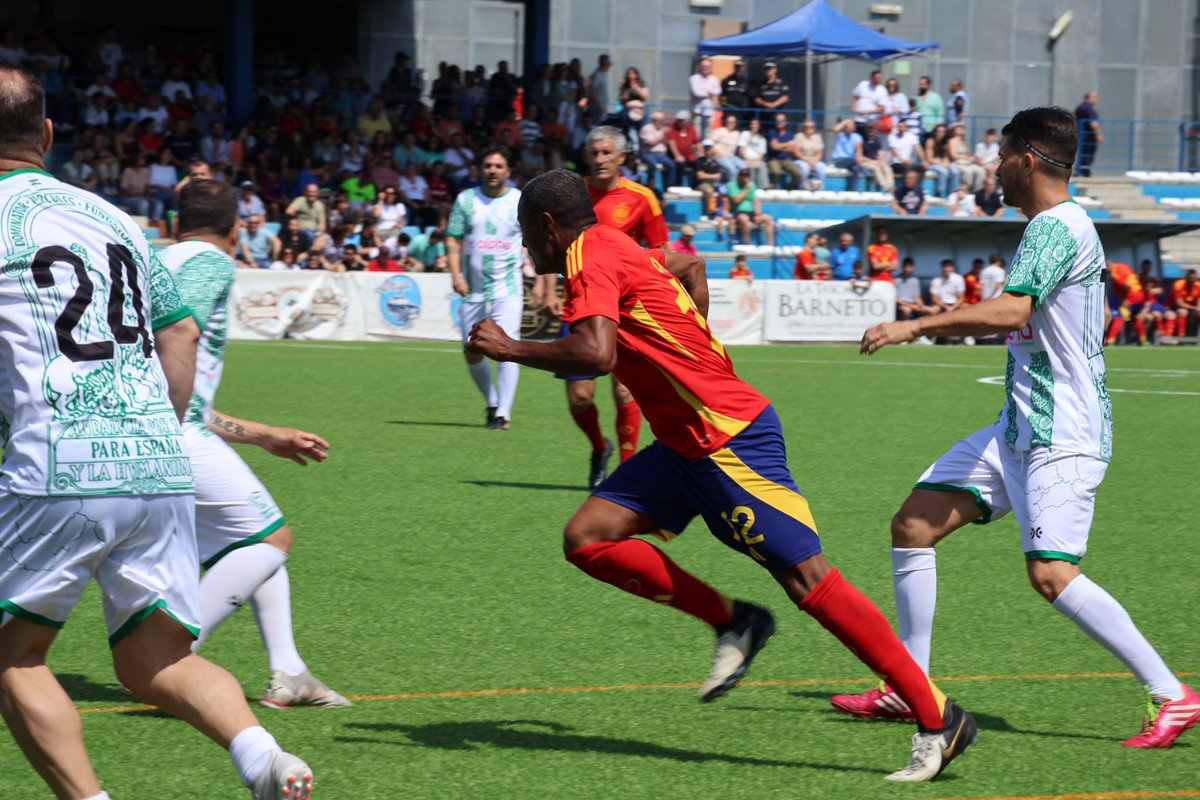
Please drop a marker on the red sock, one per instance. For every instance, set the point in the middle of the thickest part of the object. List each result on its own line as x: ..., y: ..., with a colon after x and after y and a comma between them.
x: 640, y: 568
x: 858, y: 623
x: 1162, y: 326
x: 629, y: 425
x: 1181, y: 325
x: 588, y: 421
x: 1114, y: 329
x: 1140, y: 328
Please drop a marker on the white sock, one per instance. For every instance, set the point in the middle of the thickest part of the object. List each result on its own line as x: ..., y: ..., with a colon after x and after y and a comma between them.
x: 914, y: 576
x: 507, y: 373
x: 481, y: 373
x: 272, y: 604
x: 101, y: 796
x: 1105, y: 620
x: 231, y: 581
x: 250, y: 751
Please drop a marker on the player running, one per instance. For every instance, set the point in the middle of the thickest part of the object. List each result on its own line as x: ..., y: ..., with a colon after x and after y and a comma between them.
x: 95, y: 480
x: 483, y: 226
x: 634, y: 210
x: 1045, y: 455
x: 241, y: 533
x: 719, y: 454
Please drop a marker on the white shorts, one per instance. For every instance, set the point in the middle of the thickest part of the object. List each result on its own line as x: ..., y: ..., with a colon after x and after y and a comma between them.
x: 1051, y: 493
x: 233, y: 508
x: 140, y: 549
x: 506, y: 311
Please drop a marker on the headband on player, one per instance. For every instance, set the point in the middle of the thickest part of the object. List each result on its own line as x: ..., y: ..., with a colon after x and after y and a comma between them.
x: 1048, y: 159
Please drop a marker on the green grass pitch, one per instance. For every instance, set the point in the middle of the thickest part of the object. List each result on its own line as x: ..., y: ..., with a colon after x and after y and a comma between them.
x: 428, y: 584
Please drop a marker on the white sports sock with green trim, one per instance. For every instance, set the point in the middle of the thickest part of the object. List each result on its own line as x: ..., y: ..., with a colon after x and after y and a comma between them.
x: 231, y: 581
x: 272, y: 604
x: 251, y: 750
x: 507, y: 373
x: 1105, y: 620
x: 914, y: 578
x: 481, y: 373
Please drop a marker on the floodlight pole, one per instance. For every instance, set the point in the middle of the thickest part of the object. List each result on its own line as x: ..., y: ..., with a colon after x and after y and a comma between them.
x: 808, y: 79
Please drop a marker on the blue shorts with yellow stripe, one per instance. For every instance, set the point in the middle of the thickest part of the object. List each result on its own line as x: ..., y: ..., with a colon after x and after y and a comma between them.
x: 744, y: 492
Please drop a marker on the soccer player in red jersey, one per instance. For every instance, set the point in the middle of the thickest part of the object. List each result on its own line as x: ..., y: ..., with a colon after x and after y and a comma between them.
x: 974, y: 290
x: 719, y: 454
x: 1185, y: 296
x: 633, y: 209
x: 1131, y: 295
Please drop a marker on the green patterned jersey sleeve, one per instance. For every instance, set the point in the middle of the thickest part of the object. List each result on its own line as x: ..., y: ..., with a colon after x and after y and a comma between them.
x: 1045, y: 258
x: 166, y: 304
x: 204, y: 281
x: 460, y: 216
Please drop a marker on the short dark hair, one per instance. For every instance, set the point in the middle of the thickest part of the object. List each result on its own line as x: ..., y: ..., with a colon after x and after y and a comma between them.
x: 562, y: 194
x: 949, y: 261
x: 908, y: 262
x: 22, y: 110
x: 207, y: 205
x: 1051, y: 130
x: 497, y: 150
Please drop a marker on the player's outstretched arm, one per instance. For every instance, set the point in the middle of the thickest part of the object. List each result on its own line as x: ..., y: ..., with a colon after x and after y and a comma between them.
x: 590, y: 349
x: 283, y: 442
x: 176, y: 347
x: 1007, y: 312
x: 691, y: 273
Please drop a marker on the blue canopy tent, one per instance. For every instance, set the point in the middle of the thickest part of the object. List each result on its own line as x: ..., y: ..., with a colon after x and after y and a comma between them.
x: 815, y: 28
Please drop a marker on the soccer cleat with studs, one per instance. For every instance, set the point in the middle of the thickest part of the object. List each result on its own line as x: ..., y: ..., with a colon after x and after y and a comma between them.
x: 932, y: 751
x: 878, y: 702
x: 738, y: 642
x: 1166, y: 721
x: 285, y: 691
x: 598, y: 467
x: 286, y: 777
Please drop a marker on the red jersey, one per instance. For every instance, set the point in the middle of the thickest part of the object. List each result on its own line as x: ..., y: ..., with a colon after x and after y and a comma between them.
x: 884, y: 253
x: 1180, y: 290
x: 632, y: 209
x: 1126, y: 282
x: 974, y: 292
x: 678, y: 372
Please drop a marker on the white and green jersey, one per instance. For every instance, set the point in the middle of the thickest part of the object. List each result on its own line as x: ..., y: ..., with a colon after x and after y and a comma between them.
x: 1054, y: 380
x: 492, y: 253
x: 204, y: 276
x: 84, y: 408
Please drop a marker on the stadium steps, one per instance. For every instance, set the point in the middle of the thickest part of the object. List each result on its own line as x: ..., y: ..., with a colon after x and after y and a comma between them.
x: 1123, y: 198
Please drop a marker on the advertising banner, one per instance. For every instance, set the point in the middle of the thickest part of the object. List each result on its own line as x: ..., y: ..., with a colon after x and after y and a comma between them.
x: 735, y: 310
x: 300, y: 305
x: 826, y: 311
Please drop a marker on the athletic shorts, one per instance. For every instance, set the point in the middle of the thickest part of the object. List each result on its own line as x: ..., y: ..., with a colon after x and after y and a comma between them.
x: 506, y: 311
x: 1158, y: 308
x: 140, y: 549
x: 1051, y: 493
x: 564, y: 332
x: 233, y: 508
x: 744, y: 492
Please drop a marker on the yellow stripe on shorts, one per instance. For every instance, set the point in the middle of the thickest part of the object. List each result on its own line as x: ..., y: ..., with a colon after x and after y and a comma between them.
x: 781, y: 498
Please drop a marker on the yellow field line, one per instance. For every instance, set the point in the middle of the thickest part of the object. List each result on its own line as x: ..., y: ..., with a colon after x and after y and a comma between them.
x: 640, y: 686
x: 1087, y: 795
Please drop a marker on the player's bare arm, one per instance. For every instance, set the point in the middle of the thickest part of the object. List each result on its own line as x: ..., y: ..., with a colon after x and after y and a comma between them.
x: 454, y: 261
x: 590, y: 349
x: 291, y: 443
x: 176, y: 347
x: 1001, y: 314
x: 690, y: 271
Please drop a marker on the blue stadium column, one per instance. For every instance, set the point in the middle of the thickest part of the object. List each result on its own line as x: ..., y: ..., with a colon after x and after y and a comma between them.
x: 239, y: 58
x: 537, y: 38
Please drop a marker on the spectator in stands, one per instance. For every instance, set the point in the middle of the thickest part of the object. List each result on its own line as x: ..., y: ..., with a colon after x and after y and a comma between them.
x: 897, y: 101
x: 256, y: 247
x: 441, y: 193
x: 682, y: 141
x: 684, y: 243
x: 705, y: 91
x: 384, y: 172
x: 182, y: 142
x: 599, y: 89
x: 963, y: 159
x: 913, y: 118
x: 309, y: 210
x: 868, y: 100
x: 286, y: 261
x: 747, y: 208
x: 882, y: 256
x: 409, y: 152
x: 843, y: 257
x: 351, y: 260
x: 931, y: 106
x: 215, y: 147
x: 78, y: 171
x: 429, y: 249
x: 904, y: 149
x: 848, y: 153
x: 725, y: 144
x: 1156, y: 310
x: 154, y: 111
x: 1090, y: 136
x: 654, y: 152
x: 809, y: 151
x: 96, y: 114
x: 909, y: 197
x: 291, y: 235
x: 812, y: 260
x: 175, y: 84
x: 457, y: 157
x: 374, y: 121
x: 958, y: 102
x: 962, y: 202
x: 781, y: 154
x: 1185, y: 299
x: 973, y: 284
x: 910, y: 303
x: 390, y: 213
x: 249, y: 203
x: 735, y: 89
x: 414, y: 190
x: 771, y: 94
x: 876, y: 158
x: 360, y: 191
x: 209, y: 86
x: 707, y: 173
x: 947, y: 289
x: 633, y: 87
x: 163, y: 178
x: 993, y: 277
x: 752, y: 148
x: 135, y: 189
x: 353, y: 155
x: 988, y: 200
x: 740, y: 269
x: 987, y: 152
x: 383, y: 261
